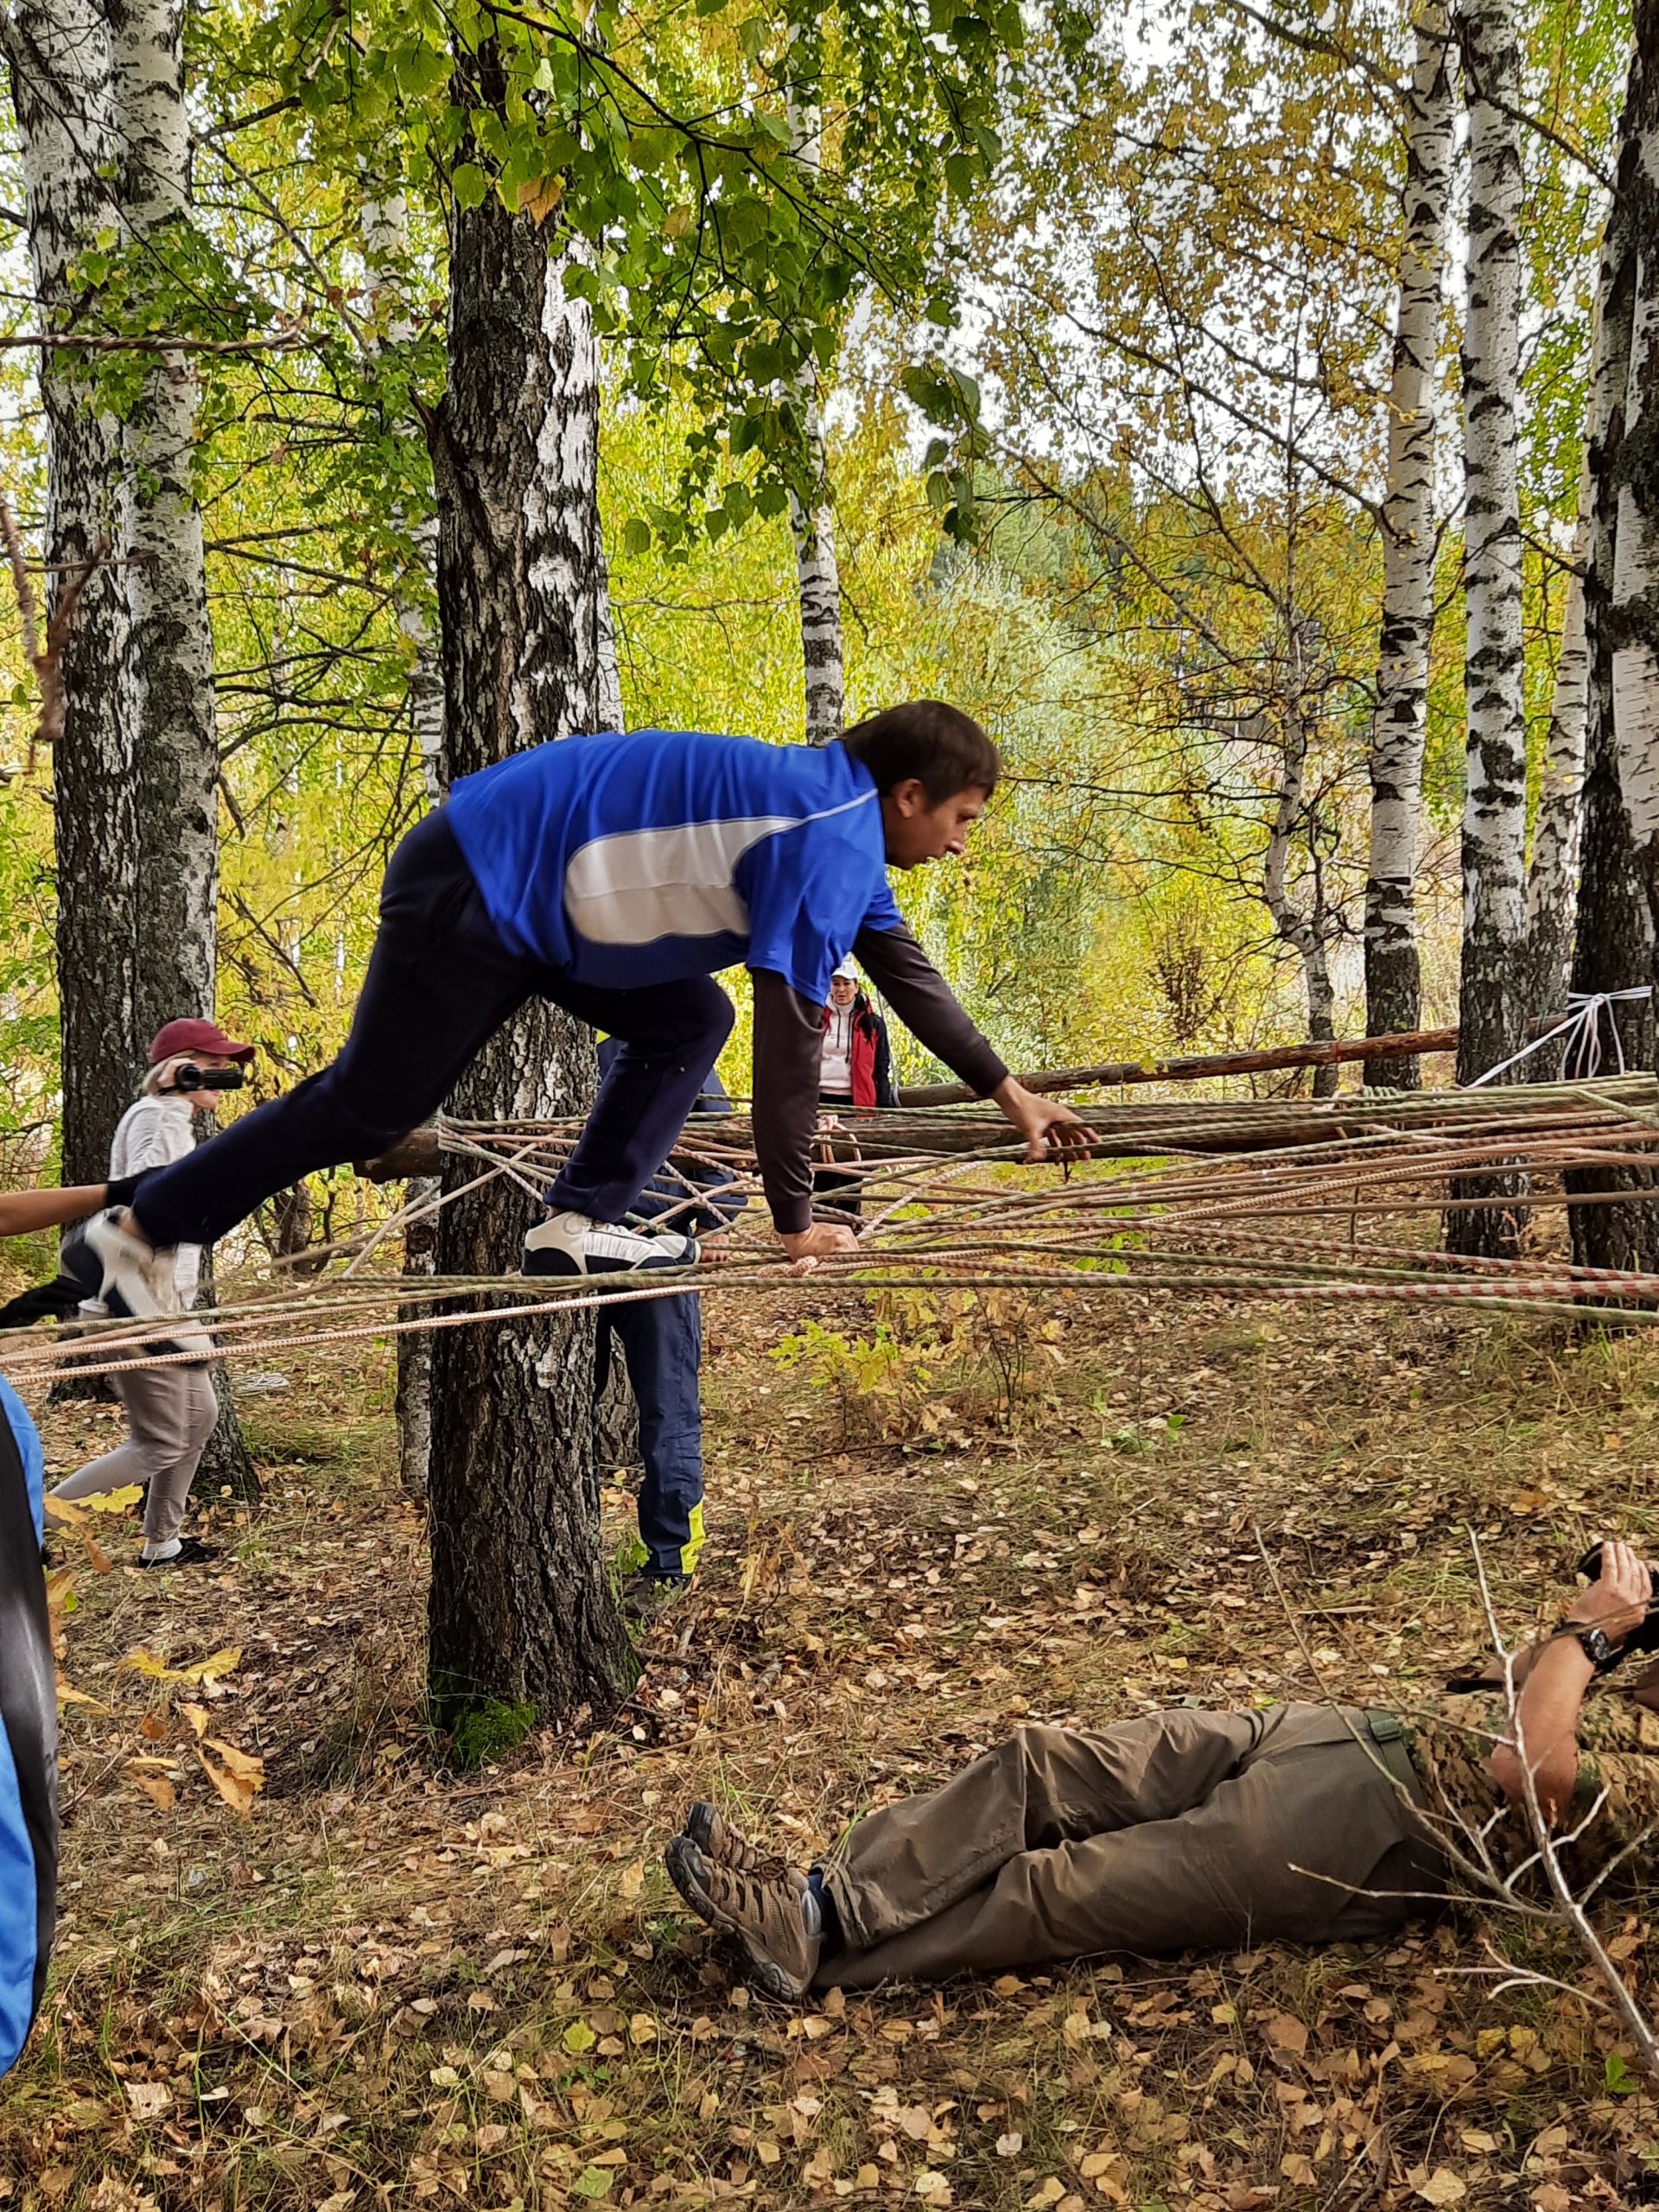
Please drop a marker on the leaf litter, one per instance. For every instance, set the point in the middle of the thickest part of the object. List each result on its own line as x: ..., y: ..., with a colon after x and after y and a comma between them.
x: 383, y: 1984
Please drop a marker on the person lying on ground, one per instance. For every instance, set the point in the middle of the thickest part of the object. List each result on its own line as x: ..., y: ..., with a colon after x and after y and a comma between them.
x: 172, y: 1410
x: 1189, y: 1830
x: 661, y: 1344
x: 614, y: 876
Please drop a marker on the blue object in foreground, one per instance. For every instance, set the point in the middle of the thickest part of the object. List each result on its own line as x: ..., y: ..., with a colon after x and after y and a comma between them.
x: 29, y: 1735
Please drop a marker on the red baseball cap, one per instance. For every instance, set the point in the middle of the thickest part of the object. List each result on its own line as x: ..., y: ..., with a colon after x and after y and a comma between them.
x: 190, y: 1036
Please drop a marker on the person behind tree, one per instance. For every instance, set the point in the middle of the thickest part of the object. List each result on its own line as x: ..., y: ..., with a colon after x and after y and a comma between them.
x: 1193, y: 1830
x: 171, y: 1410
x: 661, y: 1342
x: 614, y: 876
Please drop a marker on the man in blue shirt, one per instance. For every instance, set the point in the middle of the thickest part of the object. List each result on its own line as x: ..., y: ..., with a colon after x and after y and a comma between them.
x: 614, y: 876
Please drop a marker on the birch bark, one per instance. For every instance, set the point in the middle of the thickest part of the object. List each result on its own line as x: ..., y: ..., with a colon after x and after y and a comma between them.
x: 817, y: 568
x: 174, y: 744
x: 1553, y: 876
x: 1493, y: 995
x: 1614, y: 946
x: 521, y: 1612
x: 59, y: 55
x: 1632, y: 612
x: 1393, y: 978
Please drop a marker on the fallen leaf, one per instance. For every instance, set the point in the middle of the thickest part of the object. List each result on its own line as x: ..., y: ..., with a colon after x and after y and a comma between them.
x: 632, y: 1879
x: 210, y: 1670
x: 1285, y: 2032
x: 237, y: 1776
x: 1442, y: 2187
x: 148, y: 2099
x: 156, y: 1787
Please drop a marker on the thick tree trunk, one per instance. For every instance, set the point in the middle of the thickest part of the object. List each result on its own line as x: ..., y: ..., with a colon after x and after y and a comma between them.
x: 59, y: 51
x: 1493, y: 995
x: 175, y: 748
x: 1614, y: 950
x: 1552, y: 877
x: 521, y: 1613
x: 174, y: 745
x: 813, y: 521
x: 1393, y: 974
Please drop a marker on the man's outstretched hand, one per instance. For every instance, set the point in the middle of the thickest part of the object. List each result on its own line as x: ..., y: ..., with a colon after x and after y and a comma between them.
x: 806, y: 1247
x: 1048, y: 1128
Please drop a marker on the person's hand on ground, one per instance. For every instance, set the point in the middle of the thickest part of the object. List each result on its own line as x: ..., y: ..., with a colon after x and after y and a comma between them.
x: 806, y: 1247
x: 1619, y: 1596
x: 1048, y: 1128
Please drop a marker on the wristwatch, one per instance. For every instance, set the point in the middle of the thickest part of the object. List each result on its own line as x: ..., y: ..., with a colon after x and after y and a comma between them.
x: 1597, y: 1650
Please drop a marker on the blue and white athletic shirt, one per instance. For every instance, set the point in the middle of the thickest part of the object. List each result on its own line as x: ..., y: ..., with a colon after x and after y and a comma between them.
x: 666, y: 854
x: 29, y: 1736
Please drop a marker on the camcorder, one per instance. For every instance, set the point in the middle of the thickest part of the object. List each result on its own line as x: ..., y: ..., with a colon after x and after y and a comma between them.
x: 189, y: 1077
x: 1487, y: 1672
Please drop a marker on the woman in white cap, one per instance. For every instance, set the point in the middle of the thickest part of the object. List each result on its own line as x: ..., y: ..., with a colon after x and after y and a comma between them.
x: 171, y: 1411
x: 854, y: 1069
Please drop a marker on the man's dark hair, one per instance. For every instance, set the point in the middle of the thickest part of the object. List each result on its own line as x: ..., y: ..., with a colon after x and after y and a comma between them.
x: 943, y: 749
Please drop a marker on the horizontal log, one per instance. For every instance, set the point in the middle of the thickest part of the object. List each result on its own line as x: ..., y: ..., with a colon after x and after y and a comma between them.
x: 1194, y: 1067
x: 419, y: 1153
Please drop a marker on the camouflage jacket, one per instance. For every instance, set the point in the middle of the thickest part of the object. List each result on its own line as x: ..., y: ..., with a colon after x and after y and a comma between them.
x: 1610, y: 1830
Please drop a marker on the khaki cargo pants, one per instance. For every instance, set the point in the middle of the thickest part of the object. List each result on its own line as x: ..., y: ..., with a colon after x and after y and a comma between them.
x: 1186, y: 1829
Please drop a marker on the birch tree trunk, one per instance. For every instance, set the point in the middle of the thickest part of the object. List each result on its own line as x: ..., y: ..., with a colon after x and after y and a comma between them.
x: 175, y: 745
x: 1492, y: 994
x: 521, y: 1614
x: 1393, y: 975
x: 59, y: 55
x: 1614, y: 946
x: 1552, y: 877
x: 1631, y: 625
x: 383, y: 229
x: 817, y: 569
x: 1308, y: 934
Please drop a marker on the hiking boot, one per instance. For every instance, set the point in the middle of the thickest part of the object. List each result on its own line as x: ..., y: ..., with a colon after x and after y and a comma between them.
x: 112, y: 1266
x: 716, y: 1838
x: 645, y: 1597
x: 570, y: 1244
x: 774, y: 1922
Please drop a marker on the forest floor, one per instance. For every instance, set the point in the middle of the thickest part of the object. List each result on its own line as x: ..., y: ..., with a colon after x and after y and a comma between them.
x: 394, y: 1985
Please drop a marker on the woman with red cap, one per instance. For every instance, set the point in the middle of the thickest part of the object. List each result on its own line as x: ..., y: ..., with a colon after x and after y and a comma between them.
x: 171, y: 1410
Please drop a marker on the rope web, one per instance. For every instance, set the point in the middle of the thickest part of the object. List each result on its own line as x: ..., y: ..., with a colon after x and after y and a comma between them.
x: 1252, y: 1198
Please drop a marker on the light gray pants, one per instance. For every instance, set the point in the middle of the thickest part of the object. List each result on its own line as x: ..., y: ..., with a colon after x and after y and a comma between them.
x: 171, y: 1412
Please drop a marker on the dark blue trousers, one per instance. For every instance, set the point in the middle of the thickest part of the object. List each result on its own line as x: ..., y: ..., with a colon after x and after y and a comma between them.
x: 440, y: 984
x: 662, y: 1344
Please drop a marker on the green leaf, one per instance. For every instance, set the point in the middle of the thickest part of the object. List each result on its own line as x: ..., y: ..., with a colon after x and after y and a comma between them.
x: 636, y: 536
x: 470, y: 185
x: 1621, y: 2082
x: 593, y: 2181
x: 579, y: 2037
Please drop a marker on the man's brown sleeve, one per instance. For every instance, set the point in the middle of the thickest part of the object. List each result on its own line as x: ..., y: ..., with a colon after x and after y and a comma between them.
x: 788, y: 1053
x: 923, y: 1001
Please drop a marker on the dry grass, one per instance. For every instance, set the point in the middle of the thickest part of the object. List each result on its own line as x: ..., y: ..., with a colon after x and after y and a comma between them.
x: 393, y: 1986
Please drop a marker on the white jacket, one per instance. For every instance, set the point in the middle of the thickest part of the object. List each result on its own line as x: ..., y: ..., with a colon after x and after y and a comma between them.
x: 153, y: 1133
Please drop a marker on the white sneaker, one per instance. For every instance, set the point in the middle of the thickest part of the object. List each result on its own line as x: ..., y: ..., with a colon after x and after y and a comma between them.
x: 570, y: 1244
x: 109, y: 1263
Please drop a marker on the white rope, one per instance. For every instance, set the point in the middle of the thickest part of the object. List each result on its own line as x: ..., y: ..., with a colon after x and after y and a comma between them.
x: 1581, y: 1027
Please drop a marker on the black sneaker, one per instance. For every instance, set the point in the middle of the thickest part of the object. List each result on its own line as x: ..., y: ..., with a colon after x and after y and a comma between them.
x: 112, y: 1267
x: 191, y: 1552
x: 570, y: 1244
